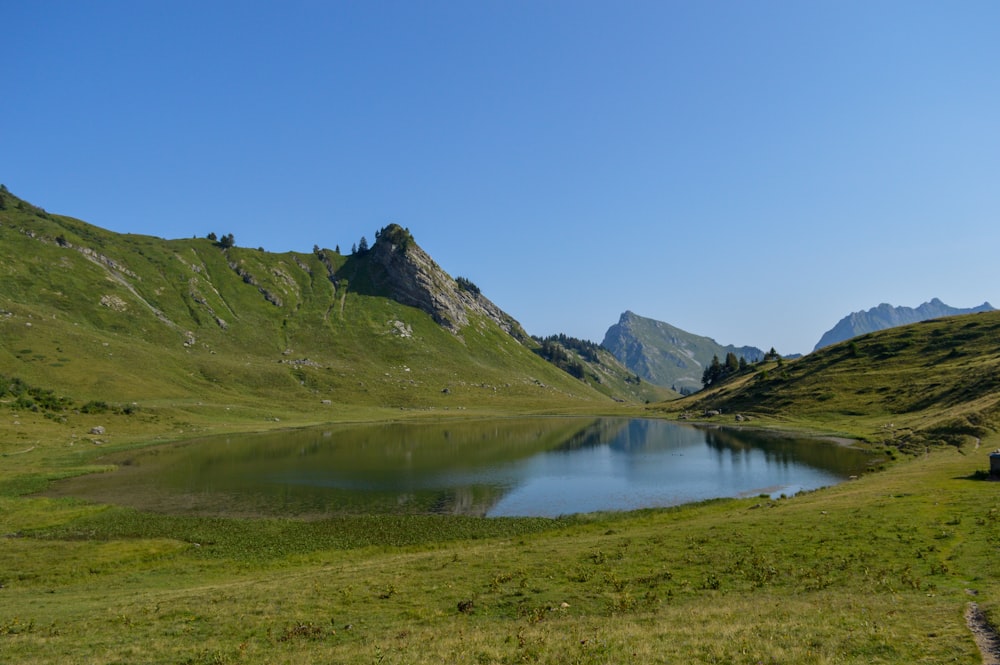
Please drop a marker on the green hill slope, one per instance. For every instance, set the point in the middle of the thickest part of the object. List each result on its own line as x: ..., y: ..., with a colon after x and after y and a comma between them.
x: 97, y: 315
x: 926, y: 382
x: 597, y: 367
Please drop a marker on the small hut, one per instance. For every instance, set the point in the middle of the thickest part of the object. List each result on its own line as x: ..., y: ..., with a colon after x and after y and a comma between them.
x: 995, y: 464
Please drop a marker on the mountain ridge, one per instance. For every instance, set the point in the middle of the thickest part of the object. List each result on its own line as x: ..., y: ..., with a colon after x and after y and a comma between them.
x: 667, y: 355
x: 886, y: 316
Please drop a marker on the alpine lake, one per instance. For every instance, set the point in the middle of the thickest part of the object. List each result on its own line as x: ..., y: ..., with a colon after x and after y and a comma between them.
x: 538, y: 466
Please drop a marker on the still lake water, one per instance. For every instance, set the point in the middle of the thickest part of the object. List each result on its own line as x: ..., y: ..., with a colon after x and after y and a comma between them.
x: 519, y: 466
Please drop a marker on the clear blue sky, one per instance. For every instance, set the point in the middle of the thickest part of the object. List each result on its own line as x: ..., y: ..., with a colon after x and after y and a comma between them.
x: 750, y: 171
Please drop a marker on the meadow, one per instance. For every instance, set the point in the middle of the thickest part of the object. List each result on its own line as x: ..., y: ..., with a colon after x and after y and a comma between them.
x: 876, y: 570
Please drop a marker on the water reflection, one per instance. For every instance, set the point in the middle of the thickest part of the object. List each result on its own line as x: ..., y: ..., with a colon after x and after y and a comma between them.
x: 526, y: 466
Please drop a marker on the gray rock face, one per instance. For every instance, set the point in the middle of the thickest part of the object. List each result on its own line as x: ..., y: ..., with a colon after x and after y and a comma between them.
x: 886, y: 316
x: 414, y: 279
x: 666, y: 355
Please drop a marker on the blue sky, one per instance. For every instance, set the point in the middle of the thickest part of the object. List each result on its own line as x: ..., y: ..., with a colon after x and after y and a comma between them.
x: 750, y: 171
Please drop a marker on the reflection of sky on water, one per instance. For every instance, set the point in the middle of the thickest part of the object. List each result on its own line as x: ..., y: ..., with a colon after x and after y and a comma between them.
x: 640, y: 464
x: 652, y: 464
x: 531, y: 467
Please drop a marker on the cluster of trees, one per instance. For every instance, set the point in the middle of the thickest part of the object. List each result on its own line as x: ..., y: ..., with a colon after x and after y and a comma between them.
x: 225, y: 242
x: 556, y: 354
x: 584, y: 347
x: 720, y: 371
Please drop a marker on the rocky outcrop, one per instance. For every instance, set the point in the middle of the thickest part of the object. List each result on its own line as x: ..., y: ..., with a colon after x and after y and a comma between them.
x: 413, y: 278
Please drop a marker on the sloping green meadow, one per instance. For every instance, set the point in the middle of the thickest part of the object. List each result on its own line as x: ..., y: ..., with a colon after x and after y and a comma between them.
x: 877, y: 570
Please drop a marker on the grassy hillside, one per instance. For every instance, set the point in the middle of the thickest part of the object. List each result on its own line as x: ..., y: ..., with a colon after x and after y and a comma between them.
x: 123, y: 318
x: 598, y: 368
x: 882, y: 569
x: 907, y: 387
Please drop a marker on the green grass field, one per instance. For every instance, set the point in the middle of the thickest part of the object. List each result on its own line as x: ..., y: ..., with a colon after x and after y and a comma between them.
x: 877, y: 570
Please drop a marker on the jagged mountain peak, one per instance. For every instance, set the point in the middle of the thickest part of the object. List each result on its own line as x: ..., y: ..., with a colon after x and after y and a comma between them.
x: 886, y: 316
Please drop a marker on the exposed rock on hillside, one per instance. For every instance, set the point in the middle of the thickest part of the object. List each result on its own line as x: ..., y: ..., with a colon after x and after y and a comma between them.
x: 413, y: 278
x: 886, y: 316
x: 665, y: 355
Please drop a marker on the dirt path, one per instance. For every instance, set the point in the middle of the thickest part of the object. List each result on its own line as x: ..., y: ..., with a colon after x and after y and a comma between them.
x: 986, y: 636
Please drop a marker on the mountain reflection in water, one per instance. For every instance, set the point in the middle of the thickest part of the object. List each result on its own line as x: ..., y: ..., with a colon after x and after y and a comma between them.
x: 504, y: 467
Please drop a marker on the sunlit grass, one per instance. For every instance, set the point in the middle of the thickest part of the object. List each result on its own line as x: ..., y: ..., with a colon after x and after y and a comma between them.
x: 874, y: 570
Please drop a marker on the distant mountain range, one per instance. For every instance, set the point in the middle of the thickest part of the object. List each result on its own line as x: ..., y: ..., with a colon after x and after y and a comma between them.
x: 665, y: 355
x: 886, y: 316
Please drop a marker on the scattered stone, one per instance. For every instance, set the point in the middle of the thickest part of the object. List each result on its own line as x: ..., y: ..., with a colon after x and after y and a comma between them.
x: 114, y: 303
x: 99, y: 429
x: 302, y: 362
x: 465, y: 606
x: 400, y: 329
